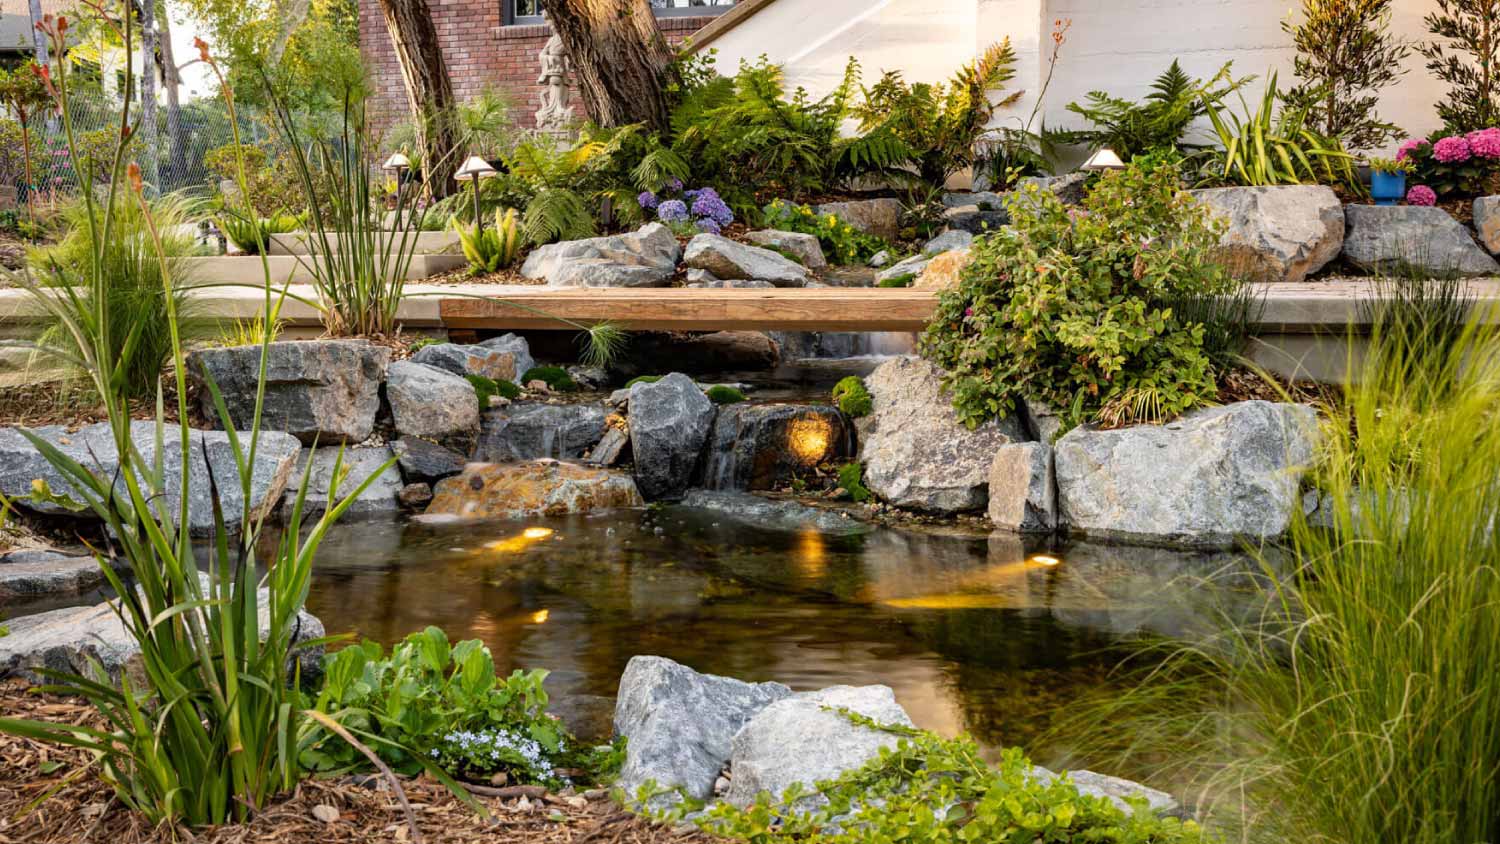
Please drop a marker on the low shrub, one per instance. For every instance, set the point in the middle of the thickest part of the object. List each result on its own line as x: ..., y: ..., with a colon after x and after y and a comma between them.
x: 432, y: 700
x: 931, y: 789
x: 841, y: 242
x: 720, y: 394
x: 273, y: 187
x: 1072, y: 306
x: 1454, y: 166
x: 851, y: 397
x: 494, y: 248
x: 555, y: 377
x: 687, y: 212
x: 852, y: 481
x: 253, y: 236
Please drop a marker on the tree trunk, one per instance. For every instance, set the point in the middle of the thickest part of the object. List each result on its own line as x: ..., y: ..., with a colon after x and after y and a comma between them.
x: 291, y: 18
x: 149, y: 140
x: 171, y: 83
x: 619, y: 56
x: 38, y: 40
x: 429, y: 91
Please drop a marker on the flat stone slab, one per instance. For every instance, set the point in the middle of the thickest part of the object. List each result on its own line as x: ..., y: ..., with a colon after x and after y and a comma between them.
x: 33, y: 574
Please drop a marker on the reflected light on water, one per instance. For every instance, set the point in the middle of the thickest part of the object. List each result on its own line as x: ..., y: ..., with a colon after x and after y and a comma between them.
x: 812, y: 557
x: 541, y: 616
x: 1044, y: 560
x: 520, y: 541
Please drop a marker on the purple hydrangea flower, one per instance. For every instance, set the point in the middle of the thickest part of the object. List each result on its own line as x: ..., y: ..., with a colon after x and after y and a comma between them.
x: 1485, y: 143
x: 1410, y: 147
x: 674, y: 183
x: 648, y: 200
x: 709, y: 204
x: 1421, y: 195
x: 709, y: 225
x: 672, y: 211
x: 1451, y: 150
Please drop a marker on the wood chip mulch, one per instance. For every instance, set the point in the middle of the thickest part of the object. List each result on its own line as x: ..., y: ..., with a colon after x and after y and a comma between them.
x: 50, y: 795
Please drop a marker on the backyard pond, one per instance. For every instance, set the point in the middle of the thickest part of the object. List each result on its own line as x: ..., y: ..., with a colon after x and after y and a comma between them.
x: 975, y: 633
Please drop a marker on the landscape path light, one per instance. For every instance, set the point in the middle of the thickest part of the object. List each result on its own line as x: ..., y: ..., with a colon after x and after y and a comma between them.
x: 1104, y: 159
x: 397, y: 164
x: 475, y: 168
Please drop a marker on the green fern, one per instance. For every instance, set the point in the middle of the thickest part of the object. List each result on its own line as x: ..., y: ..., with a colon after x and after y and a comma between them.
x: 558, y: 214
x: 1159, y: 122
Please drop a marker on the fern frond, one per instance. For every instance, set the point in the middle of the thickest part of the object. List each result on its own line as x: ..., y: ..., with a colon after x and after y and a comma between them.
x: 558, y: 214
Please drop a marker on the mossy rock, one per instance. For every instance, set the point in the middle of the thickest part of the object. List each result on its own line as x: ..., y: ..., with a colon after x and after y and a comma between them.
x: 903, y: 280
x: 643, y: 379
x: 554, y: 377
x: 720, y: 394
x: 851, y: 397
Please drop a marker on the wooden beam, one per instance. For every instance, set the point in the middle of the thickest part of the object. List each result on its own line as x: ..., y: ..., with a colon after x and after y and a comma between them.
x: 722, y: 24
x: 676, y: 309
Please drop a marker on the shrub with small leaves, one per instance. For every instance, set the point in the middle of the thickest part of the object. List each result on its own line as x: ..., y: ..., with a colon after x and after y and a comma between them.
x: 852, y: 398
x: 1073, y: 306
x: 841, y: 242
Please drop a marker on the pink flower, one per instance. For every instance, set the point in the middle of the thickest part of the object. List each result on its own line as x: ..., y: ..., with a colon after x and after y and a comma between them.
x: 1421, y: 195
x: 1409, y: 147
x: 1485, y: 143
x: 1451, y: 150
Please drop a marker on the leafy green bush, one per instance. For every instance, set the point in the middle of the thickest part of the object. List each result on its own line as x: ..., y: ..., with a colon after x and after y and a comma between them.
x: 852, y: 480
x: 273, y: 187
x: 720, y: 394
x: 930, y: 789
x: 1072, y: 306
x: 1262, y: 147
x: 941, y: 124
x: 430, y: 700
x: 555, y: 377
x: 841, y: 242
x: 1465, y: 54
x: 852, y: 398
x: 493, y: 248
x: 1160, y: 121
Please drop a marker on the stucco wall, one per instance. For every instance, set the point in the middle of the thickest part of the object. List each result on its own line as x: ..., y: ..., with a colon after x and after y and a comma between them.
x: 1115, y: 45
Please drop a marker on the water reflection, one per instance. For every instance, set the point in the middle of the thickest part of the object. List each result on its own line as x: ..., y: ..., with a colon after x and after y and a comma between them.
x: 974, y: 633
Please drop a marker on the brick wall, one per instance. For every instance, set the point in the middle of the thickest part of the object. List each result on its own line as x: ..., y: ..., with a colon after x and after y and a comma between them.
x: 480, y: 52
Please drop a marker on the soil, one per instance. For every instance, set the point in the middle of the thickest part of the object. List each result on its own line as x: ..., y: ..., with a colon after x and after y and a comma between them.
x: 51, y: 794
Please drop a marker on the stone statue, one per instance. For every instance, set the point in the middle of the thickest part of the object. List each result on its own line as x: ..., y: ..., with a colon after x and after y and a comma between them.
x: 555, y: 113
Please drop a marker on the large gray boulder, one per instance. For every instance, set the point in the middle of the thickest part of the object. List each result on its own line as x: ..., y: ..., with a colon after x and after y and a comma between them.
x: 805, y: 739
x: 806, y: 247
x: 517, y: 346
x: 679, y: 724
x: 380, y: 498
x: 1281, y: 233
x: 880, y: 217
x: 530, y: 430
x: 491, y: 362
x: 1023, y: 492
x: 33, y: 574
x: 1114, y: 789
x: 643, y: 258
x: 916, y: 452
x: 323, y: 390
x: 209, y: 453
x: 1206, y: 480
x: 423, y: 461
x: 69, y: 639
x: 669, y: 422
x: 432, y: 404
x: 1405, y: 238
x: 912, y: 267
x: 975, y: 219
x: 1487, y: 222
x: 728, y: 259
x: 948, y: 241
x: 761, y: 446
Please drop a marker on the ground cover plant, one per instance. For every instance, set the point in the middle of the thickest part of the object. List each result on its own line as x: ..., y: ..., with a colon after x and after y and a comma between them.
x: 1073, y: 306
x: 840, y: 241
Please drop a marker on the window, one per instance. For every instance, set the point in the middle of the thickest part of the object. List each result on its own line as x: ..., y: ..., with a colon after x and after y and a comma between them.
x: 530, y: 11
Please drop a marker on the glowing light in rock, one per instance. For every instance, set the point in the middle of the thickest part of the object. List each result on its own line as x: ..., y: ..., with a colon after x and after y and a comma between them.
x: 541, y: 616
x: 809, y: 439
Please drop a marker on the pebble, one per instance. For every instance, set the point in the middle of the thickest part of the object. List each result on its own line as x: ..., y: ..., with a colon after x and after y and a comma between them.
x: 325, y: 813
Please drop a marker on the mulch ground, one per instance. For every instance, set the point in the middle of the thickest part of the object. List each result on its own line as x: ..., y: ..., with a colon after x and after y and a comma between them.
x: 49, y: 795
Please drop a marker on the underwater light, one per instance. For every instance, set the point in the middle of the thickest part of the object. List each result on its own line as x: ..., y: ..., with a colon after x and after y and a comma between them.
x: 808, y: 439
x: 541, y: 616
x: 537, y: 532
x: 520, y: 541
x: 1044, y: 560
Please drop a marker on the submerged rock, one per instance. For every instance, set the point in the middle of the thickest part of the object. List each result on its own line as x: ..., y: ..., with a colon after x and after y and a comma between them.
x: 1409, y: 238
x: 210, y: 454
x: 679, y: 724
x: 1208, y: 479
x: 669, y: 423
x: 323, y: 390
x: 530, y: 430
x: 1280, y: 233
x: 378, y: 499
x: 803, y: 740
x: 728, y: 259
x: 916, y: 452
x: 537, y: 488
x: 643, y: 258
x: 432, y: 404
x: 772, y: 514
x: 72, y: 639
x: 761, y: 446
x: 489, y: 361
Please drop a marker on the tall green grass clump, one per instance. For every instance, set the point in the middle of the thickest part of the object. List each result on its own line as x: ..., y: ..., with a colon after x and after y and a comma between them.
x: 1362, y: 704
x: 210, y: 728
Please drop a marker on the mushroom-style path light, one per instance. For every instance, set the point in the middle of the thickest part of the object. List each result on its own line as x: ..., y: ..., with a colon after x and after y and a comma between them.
x: 475, y: 168
x: 397, y: 164
x: 1104, y: 159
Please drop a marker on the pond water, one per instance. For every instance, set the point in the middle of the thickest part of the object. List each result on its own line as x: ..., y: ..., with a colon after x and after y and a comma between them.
x: 975, y: 633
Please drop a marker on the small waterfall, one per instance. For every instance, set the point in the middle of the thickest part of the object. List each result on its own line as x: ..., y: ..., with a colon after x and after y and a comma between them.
x: 885, y: 343
x: 834, y: 345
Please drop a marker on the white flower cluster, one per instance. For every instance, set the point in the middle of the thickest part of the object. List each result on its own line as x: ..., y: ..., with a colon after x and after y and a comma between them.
x: 489, y: 744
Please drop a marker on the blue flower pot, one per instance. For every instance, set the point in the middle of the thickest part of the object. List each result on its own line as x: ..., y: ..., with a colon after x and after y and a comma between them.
x: 1387, y: 188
